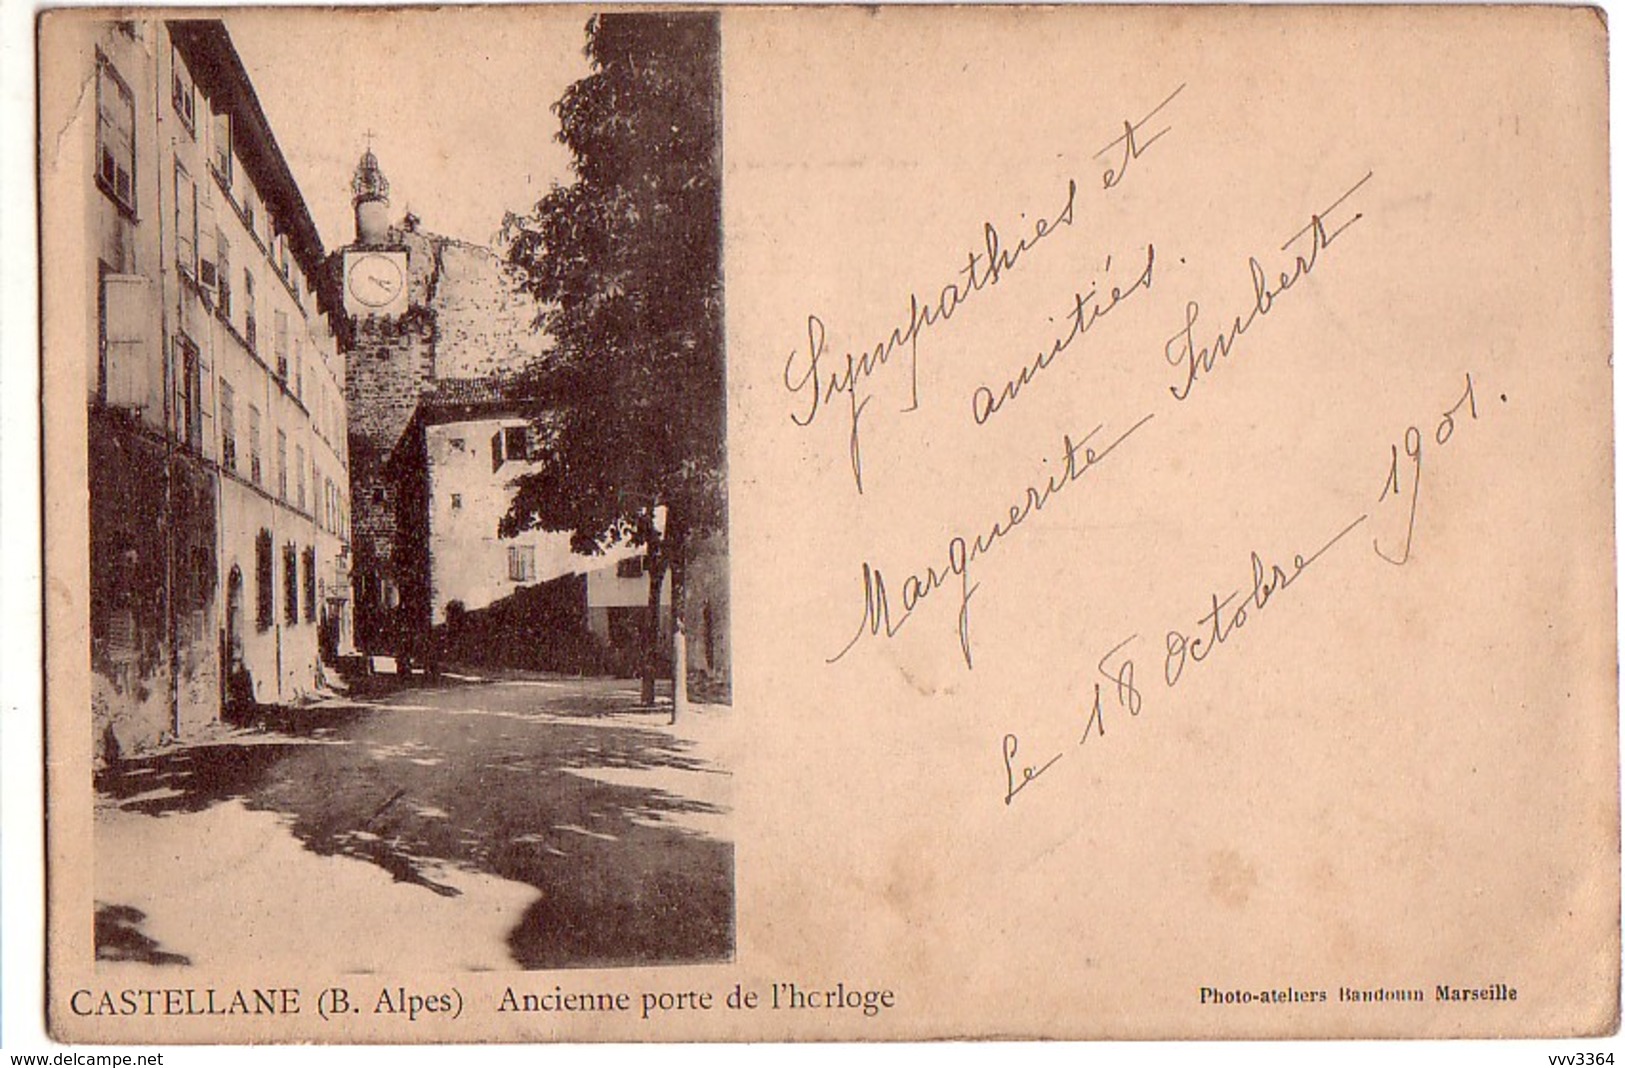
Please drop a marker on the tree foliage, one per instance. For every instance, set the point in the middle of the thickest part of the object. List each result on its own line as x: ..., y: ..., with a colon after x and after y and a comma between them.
x: 626, y: 261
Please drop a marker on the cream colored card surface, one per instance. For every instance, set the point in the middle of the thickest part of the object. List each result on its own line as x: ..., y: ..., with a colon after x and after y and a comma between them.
x: 1164, y: 584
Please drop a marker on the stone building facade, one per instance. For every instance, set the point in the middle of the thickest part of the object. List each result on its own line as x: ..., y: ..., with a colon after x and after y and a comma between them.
x: 203, y: 317
x: 458, y: 316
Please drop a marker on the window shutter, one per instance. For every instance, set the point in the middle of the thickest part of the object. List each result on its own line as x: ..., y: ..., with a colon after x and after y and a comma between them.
x: 186, y: 215
x: 130, y: 355
x: 221, y: 146
x: 205, y: 403
x: 208, y: 236
x: 496, y: 450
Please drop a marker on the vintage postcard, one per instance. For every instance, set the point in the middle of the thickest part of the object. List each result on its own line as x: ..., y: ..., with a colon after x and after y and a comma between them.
x: 804, y: 524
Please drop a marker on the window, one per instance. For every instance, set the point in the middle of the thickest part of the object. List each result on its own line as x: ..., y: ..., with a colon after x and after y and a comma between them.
x: 522, y: 563
x: 298, y: 371
x: 299, y: 469
x: 281, y: 342
x: 290, y: 584
x: 630, y: 568
x: 185, y: 222
x: 310, y: 585
x: 248, y: 209
x: 263, y: 596
x: 200, y: 574
x: 188, y: 387
x: 115, y: 135
x: 626, y: 627
x: 221, y: 160
x: 228, y: 427
x: 456, y: 502
x: 710, y: 638
x: 182, y: 93
x: 208, y: 247
x: 509, y: 443
x: 254, y: 470
x: 250, y: 327
x: 281, y: 465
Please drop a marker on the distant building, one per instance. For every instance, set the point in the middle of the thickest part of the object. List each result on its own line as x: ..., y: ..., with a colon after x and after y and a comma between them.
x: 440, y: 427
x: 454, y: 469
x: 218, y: 477
x: 424, y: 308
x: 472, y: 439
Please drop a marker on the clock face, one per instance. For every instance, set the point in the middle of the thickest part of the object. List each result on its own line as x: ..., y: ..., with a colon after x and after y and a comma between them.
x: 376, y: 280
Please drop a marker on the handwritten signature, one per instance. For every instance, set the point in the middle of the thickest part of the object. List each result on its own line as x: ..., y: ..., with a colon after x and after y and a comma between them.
x: 878, y: 617
x: 1181, y: 350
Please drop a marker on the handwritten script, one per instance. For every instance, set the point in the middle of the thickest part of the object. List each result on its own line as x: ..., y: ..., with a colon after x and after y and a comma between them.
x: 1208, y: 335
x: 816, y: 377
x: 1184, y: 649
x: 879, y: 619
x: 962, y: 550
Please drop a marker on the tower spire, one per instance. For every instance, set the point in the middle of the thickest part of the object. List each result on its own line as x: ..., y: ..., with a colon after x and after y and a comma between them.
x: 370, y: 191
x: 369, y: 182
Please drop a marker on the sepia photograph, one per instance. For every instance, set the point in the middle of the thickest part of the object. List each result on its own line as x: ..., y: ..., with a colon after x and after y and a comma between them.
x: 406, y: 487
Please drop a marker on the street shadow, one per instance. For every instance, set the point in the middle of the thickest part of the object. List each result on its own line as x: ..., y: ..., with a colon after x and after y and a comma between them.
x: 638, y: 895
x: 190, y: 780
x: 476, y: 781
x: 119, y: 937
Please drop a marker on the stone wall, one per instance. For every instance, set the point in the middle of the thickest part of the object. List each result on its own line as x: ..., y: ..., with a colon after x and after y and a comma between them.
x: 153, y: 583
x: 484, y: 327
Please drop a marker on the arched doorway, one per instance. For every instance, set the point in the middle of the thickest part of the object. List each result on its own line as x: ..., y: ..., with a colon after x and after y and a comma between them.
x: 239, y: 685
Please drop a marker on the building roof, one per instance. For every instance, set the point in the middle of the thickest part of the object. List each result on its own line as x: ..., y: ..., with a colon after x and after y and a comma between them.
x: 459, y: 398
x: 454, y: 400
x: 218, y: 70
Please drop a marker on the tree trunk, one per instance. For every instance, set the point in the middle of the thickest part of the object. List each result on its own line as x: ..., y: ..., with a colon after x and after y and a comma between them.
x: 651, y: 623
x: 679, y: 637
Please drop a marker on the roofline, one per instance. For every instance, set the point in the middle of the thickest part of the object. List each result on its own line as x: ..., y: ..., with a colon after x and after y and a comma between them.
x: 218, y: 69
x: 435, y: 412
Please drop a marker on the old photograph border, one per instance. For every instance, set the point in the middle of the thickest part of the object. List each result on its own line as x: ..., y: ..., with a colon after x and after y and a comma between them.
x: 352, y: 689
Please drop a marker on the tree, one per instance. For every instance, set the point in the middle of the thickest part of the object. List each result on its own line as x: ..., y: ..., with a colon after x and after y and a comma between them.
x: 626, y: 261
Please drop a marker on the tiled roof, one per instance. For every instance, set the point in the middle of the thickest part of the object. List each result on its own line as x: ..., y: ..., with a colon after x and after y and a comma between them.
x: 491, y: 392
